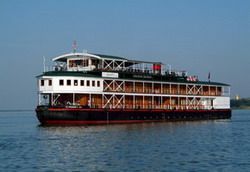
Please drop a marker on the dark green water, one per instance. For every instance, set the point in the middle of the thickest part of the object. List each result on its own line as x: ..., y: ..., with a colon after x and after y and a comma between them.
x: 222, y: 145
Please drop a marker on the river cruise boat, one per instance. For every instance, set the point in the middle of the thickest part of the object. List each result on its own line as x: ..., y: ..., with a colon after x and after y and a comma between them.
x: 88, y: 88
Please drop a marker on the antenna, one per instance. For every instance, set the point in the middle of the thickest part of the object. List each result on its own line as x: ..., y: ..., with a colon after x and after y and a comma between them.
x: 74, y: 46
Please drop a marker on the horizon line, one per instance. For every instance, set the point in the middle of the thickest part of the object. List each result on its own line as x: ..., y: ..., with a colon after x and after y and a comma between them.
x: 16, y: 110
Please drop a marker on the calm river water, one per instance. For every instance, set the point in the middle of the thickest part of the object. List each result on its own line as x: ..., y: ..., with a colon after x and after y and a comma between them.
x: 221, y: 145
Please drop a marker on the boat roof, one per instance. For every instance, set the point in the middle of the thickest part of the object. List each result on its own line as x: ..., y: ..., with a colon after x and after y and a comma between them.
x: 110, y: 57
x: 64, y: 57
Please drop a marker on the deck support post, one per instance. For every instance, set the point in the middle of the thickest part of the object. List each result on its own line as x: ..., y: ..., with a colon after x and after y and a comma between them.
x: 133, y: 101
x: 143, y: 101
x: 52, y: 99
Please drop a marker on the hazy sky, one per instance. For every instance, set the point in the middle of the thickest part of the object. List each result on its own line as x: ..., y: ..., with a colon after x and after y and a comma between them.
x: 199, y: 36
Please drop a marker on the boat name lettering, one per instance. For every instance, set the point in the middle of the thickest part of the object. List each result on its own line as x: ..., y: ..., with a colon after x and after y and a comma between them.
x: 110, y: 74
x: 142, y: 76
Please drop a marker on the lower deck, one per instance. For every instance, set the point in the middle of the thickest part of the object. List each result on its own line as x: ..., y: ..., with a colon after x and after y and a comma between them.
x: 125, y: 101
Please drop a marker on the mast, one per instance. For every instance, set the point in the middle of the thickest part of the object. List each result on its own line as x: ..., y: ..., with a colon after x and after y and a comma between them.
x: 74, y: 46
x: 44, y: 62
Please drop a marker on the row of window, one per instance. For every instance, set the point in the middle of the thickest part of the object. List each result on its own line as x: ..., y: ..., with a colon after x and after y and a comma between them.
x: 75, y: 82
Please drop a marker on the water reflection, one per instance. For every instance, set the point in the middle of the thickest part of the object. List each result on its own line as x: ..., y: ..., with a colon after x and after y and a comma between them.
x: 146, y: 146
x: 221, y: 145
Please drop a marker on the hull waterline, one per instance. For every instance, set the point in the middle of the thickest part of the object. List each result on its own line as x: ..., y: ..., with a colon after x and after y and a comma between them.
x: 80, y: 116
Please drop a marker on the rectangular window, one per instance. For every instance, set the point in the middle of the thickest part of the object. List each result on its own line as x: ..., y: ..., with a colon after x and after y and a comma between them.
x: 61, y: 82
x: 68, y: 82
x: 42, y: 82
x: 75, y: 82
x: 85, y: 62
x: 93, y: 83
x: 82, y: 82
x: 88, y: 83
x: 98, y: 83
x: 50, y: 82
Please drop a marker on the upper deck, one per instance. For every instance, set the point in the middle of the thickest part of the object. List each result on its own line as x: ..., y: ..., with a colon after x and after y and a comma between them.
x: 112, y: 66
x: 87, y: 62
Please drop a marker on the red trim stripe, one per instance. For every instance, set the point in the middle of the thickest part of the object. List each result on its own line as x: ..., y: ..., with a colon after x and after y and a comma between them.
x: 137, y: 110
x: 68, y: 122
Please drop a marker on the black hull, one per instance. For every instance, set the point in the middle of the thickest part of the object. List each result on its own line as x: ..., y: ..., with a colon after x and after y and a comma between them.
x: 79, y: 116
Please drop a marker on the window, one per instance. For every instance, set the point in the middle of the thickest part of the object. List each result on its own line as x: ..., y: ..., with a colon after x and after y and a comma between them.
x: 82, y: 82
x: 42, y: 82
x: 50, y: 82
x: 98, y: 83
x: 85, y: 62
x: 93, y: 83
x: 61, y: 82
x: 88, y: 83
x: 75, y: 82
x: 68, y: 82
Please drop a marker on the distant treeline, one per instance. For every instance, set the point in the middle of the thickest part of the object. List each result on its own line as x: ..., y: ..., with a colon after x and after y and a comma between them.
x: 240, y: 104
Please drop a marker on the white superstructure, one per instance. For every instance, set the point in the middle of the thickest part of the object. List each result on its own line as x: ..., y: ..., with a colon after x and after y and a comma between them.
x: 101, y: 81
